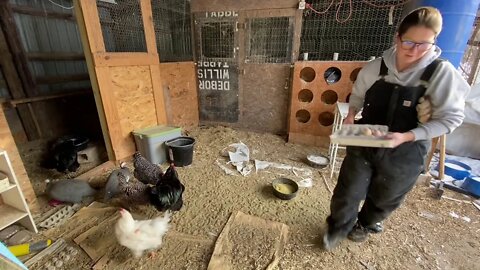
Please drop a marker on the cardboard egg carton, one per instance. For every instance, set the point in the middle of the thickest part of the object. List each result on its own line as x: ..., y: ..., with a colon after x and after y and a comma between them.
x: 362, y: 135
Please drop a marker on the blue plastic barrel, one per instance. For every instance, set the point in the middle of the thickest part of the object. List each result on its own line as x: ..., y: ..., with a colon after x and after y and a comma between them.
x: 458, y: 17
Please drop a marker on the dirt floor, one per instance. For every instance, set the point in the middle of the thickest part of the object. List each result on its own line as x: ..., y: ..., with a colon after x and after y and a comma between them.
x: 419, y: 235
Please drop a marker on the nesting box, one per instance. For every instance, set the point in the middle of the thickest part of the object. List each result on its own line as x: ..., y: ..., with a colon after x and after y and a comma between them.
x: 317, y: 87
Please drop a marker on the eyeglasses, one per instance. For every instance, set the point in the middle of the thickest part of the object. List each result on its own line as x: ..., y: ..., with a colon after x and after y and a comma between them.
x: 421, y: 46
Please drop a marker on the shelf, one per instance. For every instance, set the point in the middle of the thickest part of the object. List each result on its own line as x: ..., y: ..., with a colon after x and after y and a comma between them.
x: 9, y: 215
x: 8, y: 188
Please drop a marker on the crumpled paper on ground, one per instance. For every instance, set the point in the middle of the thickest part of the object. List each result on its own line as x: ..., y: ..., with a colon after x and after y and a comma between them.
x: 241, y: 158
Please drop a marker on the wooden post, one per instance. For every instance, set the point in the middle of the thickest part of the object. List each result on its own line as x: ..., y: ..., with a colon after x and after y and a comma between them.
x: 441, y: 166
x: 149, y: 30
x: 432, y: 151
x: 89, y: 47
x: 441, y: 162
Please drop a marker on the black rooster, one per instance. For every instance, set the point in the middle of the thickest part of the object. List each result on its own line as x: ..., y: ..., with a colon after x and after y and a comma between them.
x: 62, y: 154
x: 168, y: 191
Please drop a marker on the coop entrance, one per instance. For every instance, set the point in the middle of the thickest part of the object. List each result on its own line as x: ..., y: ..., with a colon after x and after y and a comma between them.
x: 243, y: 67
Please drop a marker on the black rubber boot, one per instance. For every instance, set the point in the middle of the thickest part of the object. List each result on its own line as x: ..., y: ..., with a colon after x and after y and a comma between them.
x: 375, y: 228
x: 330, y: 241
x: 358, y: 233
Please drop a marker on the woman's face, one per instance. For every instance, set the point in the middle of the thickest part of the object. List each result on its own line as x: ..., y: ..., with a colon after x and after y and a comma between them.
x: 414, y: 44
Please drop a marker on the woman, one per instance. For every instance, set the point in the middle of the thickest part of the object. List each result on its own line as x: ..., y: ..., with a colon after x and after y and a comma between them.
x: 388, y: 89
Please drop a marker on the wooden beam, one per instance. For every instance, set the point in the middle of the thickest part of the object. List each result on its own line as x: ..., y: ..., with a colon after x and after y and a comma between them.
x: 124, y: 59
x: 297, y: 33
x: 158, y: 95
x: 149, y: 30
x: 15, y: 102
x: 93, y: 28
x: 88, y: 48
x: 235, y: 5
x: 62, y: 79
x: 27, y: 10
x: 55, y: 56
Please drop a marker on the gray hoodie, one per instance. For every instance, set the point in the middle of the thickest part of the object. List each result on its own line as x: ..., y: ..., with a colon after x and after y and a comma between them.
x: 447, y: 90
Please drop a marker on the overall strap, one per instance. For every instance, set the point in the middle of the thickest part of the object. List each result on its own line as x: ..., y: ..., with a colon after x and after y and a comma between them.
x: 383, y: 69
x: 429, y: 70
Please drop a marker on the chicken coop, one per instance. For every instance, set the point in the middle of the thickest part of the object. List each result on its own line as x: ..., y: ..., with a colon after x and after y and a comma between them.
x: 91, y: 72
x: 102, y: 69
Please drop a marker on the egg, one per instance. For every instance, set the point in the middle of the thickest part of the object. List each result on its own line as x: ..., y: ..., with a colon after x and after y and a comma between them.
x: 366, y: 132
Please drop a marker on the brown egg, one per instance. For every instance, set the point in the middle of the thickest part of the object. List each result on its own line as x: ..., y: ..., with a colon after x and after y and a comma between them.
x: 366, y: 132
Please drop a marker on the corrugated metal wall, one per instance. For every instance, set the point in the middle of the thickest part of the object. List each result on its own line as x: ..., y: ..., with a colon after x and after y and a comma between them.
x: 48, y: 34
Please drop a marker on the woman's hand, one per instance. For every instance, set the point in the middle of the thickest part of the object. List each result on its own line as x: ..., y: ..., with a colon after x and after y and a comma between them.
x: 399, y: 138
x: 349, y: 119
x: 424, y: 109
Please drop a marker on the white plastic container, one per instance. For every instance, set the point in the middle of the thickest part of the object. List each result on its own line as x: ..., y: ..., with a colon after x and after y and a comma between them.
x: 151, y: 142
x: 352, y: 135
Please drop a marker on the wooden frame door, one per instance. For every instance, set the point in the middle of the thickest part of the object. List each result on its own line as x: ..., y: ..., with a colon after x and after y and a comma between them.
x: 127, y: 87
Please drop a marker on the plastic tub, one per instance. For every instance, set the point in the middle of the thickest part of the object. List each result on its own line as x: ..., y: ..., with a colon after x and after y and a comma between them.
x: 182, y: 149
x: 472, y: 185
x: 151, y: 142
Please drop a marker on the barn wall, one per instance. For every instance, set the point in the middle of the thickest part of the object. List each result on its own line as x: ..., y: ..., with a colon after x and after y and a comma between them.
x: 180, y: 91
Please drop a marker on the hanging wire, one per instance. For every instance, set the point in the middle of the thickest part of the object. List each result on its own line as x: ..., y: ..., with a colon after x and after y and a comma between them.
x: 309, y: 6
x: 385, y: 6
x: 349, y: 13
x: 58, y: 5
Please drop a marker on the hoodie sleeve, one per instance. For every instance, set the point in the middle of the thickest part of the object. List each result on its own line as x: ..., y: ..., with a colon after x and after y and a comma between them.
x: 367, y: 76
x: 447, y: 91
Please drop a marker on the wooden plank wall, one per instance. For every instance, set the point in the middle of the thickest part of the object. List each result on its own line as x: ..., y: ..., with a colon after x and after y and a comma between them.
x: 180, y: 91
x: 7, y: 143
x: 133, y: 97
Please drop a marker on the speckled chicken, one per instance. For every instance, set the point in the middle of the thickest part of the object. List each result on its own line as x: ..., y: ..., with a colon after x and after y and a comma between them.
x: 112, y: 187
x: 145, y: 171
x: 133, y: 192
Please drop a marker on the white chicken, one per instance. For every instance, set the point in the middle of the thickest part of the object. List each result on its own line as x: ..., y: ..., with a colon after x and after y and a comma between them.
x: 141, y: 235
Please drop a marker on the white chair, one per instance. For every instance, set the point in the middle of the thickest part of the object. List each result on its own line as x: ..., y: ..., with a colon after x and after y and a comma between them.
x: 341, y: 112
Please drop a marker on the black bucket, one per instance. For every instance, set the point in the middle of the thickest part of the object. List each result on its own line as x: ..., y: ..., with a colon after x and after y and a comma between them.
x: 182, y: 149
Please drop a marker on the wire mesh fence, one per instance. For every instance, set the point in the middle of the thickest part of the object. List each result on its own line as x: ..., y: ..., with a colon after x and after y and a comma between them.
x: 269, y: 40
x: 355, y: 29
x: 173, y: 30
x: 471, y: 58
x: 122, y: 26
x: 217, y: 40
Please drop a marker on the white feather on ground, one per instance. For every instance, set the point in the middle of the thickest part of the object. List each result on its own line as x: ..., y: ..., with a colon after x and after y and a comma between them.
x: 141, y: 235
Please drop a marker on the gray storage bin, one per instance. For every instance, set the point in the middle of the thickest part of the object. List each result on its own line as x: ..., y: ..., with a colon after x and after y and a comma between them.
x: 151, y: 142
